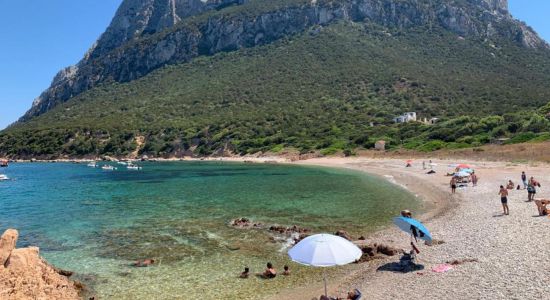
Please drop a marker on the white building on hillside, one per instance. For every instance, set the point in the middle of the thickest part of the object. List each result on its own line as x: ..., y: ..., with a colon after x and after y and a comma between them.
x: 405, y: 118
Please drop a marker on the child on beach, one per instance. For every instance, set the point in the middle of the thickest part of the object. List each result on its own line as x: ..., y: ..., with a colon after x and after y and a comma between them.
x: 510, y: 185
x: 474, y: 178
x: 245, y: 273
x: 286, y: 271
x: 504, y: 199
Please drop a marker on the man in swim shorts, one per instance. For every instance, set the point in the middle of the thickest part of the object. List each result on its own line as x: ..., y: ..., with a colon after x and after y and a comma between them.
x: 504, y: 199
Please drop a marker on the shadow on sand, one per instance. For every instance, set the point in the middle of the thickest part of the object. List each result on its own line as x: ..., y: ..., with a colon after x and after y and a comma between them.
x: 400, y: 268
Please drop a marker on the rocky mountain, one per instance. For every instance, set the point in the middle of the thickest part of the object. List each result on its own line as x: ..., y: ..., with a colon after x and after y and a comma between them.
x: 187, y: 77
x: 148, y: 34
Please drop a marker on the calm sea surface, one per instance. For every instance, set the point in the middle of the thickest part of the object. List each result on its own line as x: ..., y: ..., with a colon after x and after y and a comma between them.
x: 96, y: 222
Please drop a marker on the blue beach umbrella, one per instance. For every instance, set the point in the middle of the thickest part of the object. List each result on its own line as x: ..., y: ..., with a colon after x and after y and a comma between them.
x: 409, y: 225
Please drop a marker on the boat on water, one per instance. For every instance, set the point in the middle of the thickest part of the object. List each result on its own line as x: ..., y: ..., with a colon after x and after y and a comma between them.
x: 121, y: 163
x: 133, y: 167
x: 3, y: 163
x: 92, y: 164
x: 4, y: 177
x: 108, y: 167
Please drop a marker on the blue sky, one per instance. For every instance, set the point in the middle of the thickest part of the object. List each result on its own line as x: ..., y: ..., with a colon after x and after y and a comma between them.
x: 40, y: 37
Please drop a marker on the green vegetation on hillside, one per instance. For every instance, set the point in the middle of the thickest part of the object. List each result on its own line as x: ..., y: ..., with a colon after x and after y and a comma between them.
x: 315, y: 91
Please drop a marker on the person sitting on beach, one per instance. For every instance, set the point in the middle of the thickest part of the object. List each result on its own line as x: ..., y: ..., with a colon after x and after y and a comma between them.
x: 245, y: 273
x: 354, y: 295
x: 269, y: 272
x: 143, y: 263
x: 286, y: 271
x: 541, y: 206
x: 510, y: 185
x: 406, y: 213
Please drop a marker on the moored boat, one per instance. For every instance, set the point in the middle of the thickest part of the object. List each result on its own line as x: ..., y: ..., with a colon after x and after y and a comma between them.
x: 4, y: 177
x: 133, y: 167
x: 3, y: 163
x: 92, y: 164
x: 108, y: 168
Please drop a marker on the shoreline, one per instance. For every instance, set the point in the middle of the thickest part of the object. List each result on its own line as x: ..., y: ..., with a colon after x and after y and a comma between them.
x: 472, y: 210
x: 465, y: 222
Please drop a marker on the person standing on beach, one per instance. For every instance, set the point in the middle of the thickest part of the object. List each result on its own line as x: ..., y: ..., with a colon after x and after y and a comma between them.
x: 524, y: 179
x: 453, y: 184
x: 532, y: 189
x: 504, y: 199
x: 474, y: 178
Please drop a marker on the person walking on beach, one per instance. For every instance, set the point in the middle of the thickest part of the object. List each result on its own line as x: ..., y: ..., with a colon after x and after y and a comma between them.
x: 453, y: 184
x: 504, y: 199
x: 524, y: 179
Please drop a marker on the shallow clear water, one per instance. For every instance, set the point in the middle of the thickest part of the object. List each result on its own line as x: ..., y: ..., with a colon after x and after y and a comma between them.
x: 97, y: 222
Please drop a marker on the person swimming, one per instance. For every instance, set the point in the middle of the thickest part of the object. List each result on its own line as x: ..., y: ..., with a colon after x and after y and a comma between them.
x: 245, y: 273
x: 286, y: 271
x: 143, y: 263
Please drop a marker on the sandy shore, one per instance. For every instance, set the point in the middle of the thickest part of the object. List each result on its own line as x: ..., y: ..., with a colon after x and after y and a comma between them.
x: 512, y: 252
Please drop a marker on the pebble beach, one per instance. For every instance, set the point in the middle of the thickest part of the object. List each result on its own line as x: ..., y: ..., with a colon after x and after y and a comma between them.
x: 499, y: 257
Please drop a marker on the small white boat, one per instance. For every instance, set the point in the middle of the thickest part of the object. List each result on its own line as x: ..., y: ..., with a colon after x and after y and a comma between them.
x: 92, y: 165
x: 108, y: 168
x: 4, y: 177
x: 133, y: 167
x: 121, y: 163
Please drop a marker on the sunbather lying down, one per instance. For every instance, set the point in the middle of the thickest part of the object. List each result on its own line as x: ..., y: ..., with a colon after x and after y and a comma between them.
x: 541, y: 206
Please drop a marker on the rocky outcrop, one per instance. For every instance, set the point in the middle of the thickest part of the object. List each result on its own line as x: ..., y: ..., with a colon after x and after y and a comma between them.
x: 25, y: 275
x: 376, y: 251
x: 148, y: 34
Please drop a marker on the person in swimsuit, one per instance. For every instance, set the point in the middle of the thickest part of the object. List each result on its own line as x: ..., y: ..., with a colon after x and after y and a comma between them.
x: 524, y: 179
x: 504, y: 199
x: 453, y: 184
x: 245, y: 273
x: 269, y: 272
x: 531, y: 189
x: 286, y: 271
x: 474, y: 178
x: 144, y: 263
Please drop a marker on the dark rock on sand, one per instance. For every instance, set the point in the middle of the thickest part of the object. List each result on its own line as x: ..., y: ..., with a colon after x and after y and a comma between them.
x: 344, y: 234
x: 377, y: 251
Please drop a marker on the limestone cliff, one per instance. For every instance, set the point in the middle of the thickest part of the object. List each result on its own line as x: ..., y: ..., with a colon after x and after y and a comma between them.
x: 148, y: 34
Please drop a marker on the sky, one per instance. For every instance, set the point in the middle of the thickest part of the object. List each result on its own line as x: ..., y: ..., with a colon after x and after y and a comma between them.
x: 40, y: 37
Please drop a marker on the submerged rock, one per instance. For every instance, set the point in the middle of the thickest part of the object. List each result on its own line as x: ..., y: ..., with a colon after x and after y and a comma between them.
x: 25, y: 275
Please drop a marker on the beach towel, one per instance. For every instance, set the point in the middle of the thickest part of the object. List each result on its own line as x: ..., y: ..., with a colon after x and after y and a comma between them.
x: 442, y: 268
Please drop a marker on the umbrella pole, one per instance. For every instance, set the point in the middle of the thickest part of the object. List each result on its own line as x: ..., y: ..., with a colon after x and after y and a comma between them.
x: 325, y: 281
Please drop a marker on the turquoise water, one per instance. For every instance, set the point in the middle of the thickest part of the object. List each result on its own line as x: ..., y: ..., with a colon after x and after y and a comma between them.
x: 97, y: 222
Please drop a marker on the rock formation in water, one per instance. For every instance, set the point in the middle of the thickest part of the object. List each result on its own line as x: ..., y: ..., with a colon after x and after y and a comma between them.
x: 148, y: 34
x: 25, y: 275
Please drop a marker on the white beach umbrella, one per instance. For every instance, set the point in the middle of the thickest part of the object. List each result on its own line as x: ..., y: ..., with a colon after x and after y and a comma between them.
x: 324, y: 250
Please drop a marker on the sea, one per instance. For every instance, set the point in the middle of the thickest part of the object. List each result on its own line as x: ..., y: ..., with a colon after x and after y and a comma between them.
x: 97, y: 222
